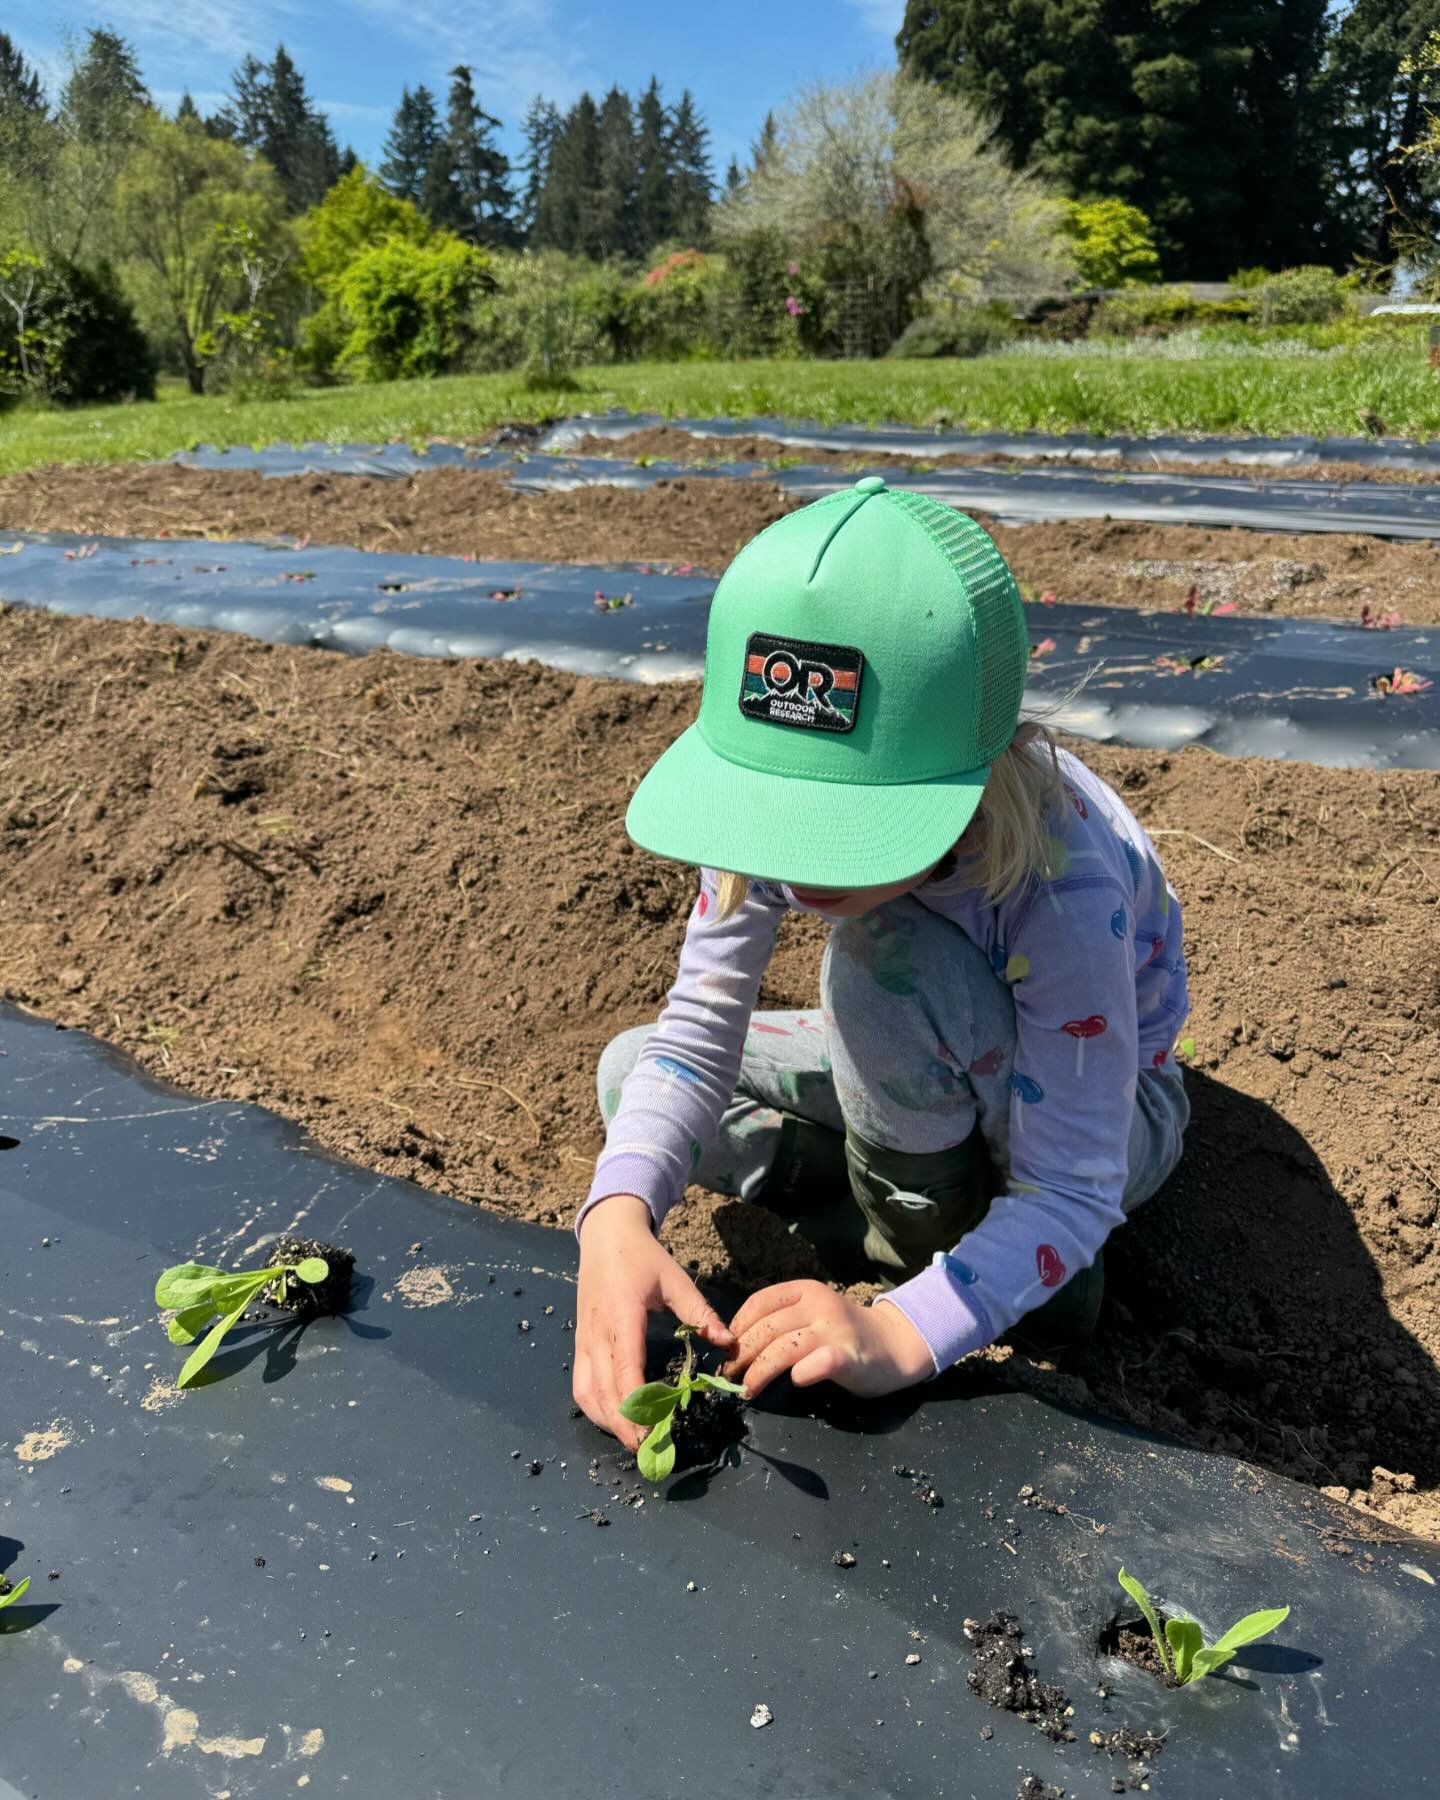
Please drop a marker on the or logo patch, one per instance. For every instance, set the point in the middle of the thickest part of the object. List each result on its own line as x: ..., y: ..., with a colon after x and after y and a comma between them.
x: 1048, y: 1266
x: 791, y: 682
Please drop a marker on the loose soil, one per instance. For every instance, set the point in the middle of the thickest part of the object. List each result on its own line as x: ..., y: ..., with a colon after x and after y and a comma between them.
x: 702, y: 522
x: 1001, y: 1675
x: 313, y: 1299
x: 668, y: 443
x: 712, y: 1423
x: 394, y: 901
x: 1133, y: 1642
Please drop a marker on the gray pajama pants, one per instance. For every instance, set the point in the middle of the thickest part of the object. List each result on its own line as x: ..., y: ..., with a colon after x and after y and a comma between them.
x: 912, y: 1048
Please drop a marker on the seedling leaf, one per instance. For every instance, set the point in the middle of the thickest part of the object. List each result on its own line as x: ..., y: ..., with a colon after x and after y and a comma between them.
x: 1244, y: 1631
x: 1138, y: 1592
x: 656, y: 1455
x: 185, y: 1326
x: 15, y: 1592
x: 199, y: 1291
x: 207, y: 1346
x: 186, y: 1284
x: 1185, y: 1638
x: 649, y: 1404
x: 718, y: 1384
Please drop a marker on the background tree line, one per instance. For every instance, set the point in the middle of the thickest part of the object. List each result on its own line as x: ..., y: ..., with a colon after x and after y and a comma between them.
x: 1018, y: 150
x: 1265, y: 132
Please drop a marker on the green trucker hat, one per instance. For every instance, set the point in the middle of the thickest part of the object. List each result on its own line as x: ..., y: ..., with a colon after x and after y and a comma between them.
x: 863, y: 669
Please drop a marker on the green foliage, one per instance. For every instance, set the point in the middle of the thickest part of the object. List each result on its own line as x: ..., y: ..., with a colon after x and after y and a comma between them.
x: 183, y: 202
x: 1309, y: 295
x: 197, y: 1292
x: 1173, y: 108
x: 356, y: 215
x: 1114, y: 243
x: 68, y: 334
x: 270, y: 111
x: 13, y: 1594
x: 957, y: 331
x: 656, y: 1403
x: 544, y: 315
x: 1183, y: 1639
x: 1151, y: 311
x: 407, y: 307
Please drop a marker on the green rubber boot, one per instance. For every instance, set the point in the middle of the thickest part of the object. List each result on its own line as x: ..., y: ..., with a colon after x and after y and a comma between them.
x: 915, y: 1203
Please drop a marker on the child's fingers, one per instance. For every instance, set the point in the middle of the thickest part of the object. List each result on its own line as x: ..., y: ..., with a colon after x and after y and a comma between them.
x: 827, y: 1363
x: 762, y: 1334
x: 781, y: 1355
x: 768, y: 1300
x: 691, y: 1307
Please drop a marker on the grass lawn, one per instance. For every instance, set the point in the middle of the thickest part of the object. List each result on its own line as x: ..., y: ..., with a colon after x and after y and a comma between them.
x: 1269, y: 394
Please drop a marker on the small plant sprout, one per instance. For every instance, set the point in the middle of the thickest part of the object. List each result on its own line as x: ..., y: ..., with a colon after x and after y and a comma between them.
x: 197, y: 1293
x: 1188, y: 1656
x: 654, y: 1404
x: 12, y: 1594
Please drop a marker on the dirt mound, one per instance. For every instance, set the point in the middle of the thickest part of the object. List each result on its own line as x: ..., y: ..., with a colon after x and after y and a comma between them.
x: 470, y: 512
x: 669, y: 443
x: 393, y: 900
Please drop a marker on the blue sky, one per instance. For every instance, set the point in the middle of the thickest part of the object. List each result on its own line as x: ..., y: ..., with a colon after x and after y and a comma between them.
x: 740, y: 57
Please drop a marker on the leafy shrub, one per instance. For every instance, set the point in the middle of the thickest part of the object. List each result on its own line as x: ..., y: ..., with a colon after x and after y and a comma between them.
x: 68, y: 334
x: 1250, y: 278
x: 538, y: 318
x: 355, y: 216
x: 1151, y: 312
x: 407, y: 307
x: 959, y: 331
x: 1309, y: 295
x: 1113, y: 243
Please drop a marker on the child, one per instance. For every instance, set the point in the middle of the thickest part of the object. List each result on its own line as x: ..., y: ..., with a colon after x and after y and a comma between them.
x: 987, y: 1089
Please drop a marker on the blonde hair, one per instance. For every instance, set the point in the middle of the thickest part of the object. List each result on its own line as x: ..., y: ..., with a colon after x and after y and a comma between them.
x: 1010, y: 840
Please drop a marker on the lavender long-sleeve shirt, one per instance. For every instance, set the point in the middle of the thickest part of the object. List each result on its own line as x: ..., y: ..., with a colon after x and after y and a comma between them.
x: 1094, y: 962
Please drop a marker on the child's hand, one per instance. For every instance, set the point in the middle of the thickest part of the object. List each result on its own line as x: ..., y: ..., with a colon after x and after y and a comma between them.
x: 625, y: 1274
x: 819, y: 1335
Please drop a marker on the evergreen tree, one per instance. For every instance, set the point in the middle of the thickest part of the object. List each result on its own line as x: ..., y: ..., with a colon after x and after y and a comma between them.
x: 270, y: 111
x: 24, y: 116
x: 103, y: 95
x: 187, y: 109
x: 1374, y: 111
x: 734, y: 180
x: 766, y: 144
x: 691, y: 187
x: 484, y: 198
x: 411, y: 147
x: 542, y: 130
x: 654, y: 216
x: 1195, y: 113
x: 616, y: 200
x: 20, y: 89
x: 571, y: 213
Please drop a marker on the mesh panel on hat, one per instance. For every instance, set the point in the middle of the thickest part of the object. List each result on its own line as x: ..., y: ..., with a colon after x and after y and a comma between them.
x: 1001, y: 637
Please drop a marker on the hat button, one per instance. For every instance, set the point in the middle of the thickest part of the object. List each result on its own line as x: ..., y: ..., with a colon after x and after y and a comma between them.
x: 870, y: 484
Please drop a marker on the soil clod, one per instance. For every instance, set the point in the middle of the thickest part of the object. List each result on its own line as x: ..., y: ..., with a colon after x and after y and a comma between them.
x: 319, y: 1299
x: 1001, y: 1675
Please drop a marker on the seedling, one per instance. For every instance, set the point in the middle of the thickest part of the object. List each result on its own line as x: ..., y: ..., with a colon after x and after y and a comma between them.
x: 197, y: 1292
x: 12, y: 1594
x: 655, y: 1403
x: 1192, y: 1656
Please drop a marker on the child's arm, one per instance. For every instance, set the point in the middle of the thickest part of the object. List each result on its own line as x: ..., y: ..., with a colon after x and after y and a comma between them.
x: 685, y: 1077
x: 670, y: 1105
x: 1072, y: 1102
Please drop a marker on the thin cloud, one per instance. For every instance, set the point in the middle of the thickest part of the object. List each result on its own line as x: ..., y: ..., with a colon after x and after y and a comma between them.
x: 884, y: 17
x: 513, y: 47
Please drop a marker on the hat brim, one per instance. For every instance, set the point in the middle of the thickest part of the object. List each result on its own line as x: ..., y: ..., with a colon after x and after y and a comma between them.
x: 697, y: 807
